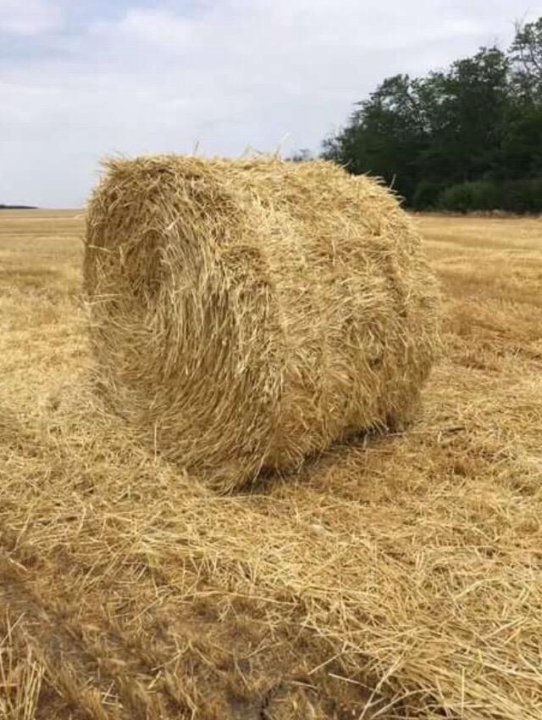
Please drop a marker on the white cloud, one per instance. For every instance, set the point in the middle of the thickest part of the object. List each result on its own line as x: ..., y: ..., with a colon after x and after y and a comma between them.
x: 229, y: 73
x: 29, y: 17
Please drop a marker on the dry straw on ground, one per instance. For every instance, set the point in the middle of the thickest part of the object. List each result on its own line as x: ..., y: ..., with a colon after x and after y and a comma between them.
x: 246, y: 314
x: 400, y: 579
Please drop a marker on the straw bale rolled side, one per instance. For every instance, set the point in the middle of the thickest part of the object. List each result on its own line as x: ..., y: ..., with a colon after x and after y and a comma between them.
x: 248, y: 313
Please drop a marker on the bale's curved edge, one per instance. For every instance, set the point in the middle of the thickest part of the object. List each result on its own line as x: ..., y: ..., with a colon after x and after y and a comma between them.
x: 247, y: 313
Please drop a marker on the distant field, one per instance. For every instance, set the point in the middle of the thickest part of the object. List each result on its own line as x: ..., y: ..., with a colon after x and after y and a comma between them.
x: 397, y: 578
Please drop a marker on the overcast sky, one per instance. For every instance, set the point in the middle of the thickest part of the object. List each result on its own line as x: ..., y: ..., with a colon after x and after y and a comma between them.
x: 80, y: 79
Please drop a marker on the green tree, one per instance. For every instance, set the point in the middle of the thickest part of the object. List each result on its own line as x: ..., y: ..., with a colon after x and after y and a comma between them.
x: 522, y: 143
x: 466, y: 107
x: 526, y: 59
x: 385, y: 136
x: 476, y: 126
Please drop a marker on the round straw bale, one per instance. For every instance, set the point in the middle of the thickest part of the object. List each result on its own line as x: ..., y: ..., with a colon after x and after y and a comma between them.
x: 247, y: 313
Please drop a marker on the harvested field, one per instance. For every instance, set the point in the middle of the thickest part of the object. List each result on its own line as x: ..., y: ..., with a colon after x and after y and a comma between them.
x: 400, y: 577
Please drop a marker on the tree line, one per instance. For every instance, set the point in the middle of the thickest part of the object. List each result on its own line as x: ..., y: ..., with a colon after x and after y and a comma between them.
x: 17, y: 207
x: 465, y: 138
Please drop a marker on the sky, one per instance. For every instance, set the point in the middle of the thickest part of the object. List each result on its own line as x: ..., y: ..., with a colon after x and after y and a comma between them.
x: 84, y: 79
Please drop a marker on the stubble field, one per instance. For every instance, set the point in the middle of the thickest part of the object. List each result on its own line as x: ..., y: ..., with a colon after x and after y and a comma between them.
x: 400, y: 577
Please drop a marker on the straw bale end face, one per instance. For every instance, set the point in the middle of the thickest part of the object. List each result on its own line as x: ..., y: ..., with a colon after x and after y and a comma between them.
x: 247, y: 313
